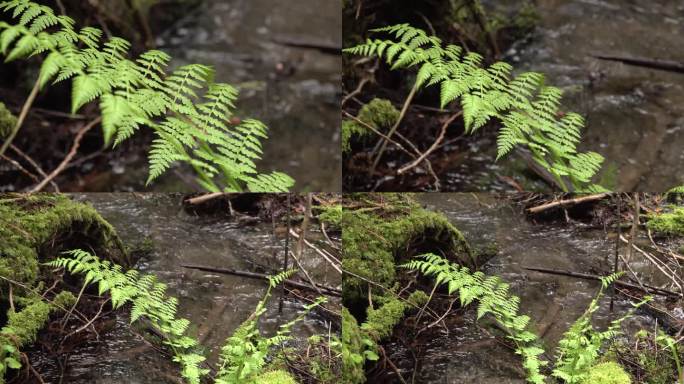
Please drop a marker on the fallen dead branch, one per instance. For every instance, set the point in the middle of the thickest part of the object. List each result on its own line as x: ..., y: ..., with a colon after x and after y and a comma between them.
x: 567, y: 202
x: 586, y: 276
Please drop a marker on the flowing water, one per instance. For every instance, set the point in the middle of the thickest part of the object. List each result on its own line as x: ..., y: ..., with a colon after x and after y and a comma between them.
x: 267, y: 48
x: 467, y: 353
x: 216, y: 304
x: 635, y: 116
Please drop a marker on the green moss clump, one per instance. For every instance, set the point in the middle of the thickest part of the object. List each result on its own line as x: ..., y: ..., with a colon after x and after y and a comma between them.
x: 331, y: 214
x: 374, y: 238
x: 28, y: 224
x: 7, y: 121
x: 275, y: 377
x: 609, y: 372
x: 378, y: 113
x: 352, y: 350
x: 669, y: 223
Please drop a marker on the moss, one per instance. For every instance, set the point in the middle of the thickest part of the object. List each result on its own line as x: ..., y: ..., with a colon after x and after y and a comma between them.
x: 7, y: 121
x: 378, y: 113
x: 374, y: 238
x: 331, y: 214
x: 29, y: 224
x: 275, y: 377
x: 669, y: 223
x: 352, y: 350
x: 607, y: 373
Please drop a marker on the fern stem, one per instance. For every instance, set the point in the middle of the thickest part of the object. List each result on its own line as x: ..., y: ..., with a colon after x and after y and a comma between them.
x: 383, y: 146
x: 22, y: 116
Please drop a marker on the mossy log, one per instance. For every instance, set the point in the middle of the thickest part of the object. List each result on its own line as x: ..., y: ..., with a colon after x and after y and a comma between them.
x: 379, y: 235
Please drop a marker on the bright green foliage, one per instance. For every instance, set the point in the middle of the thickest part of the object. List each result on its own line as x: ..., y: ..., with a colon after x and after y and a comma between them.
x: 607, y: 373
x: 669, y: 343
x: 7, y: 121
x: 528, y: 110
x: 494, y: 299
x: 148, y: 300
x: 189, y: 112
x: 669, y: 223
x: 581, y: 345
x: 378, y: 113
x: 244, y: 356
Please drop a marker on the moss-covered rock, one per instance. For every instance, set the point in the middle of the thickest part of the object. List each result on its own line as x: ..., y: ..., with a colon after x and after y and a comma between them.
x: 609, y: 372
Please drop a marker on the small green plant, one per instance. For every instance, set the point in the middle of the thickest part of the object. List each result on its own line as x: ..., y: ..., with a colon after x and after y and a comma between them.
x: 244, y: 355
x: 581, y: 345
x: 668, y: 223
x: 669, y: 343
x: 608, y: 372
x: 529, y: 110
x: 187, y: 110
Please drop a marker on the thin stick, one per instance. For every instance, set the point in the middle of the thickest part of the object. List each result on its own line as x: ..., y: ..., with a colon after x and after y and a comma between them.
x: 401, y: 147
x: 433, y: 147
x: 206, y: 197
x: 331, y: 291
x: 287, y: 253
x: 334, y: 262
x: 70, y: 155
x: 586, y: 276
x: 22, y: 116
x: 34, y: 164
x: 617, y: 250
x: 563, y: 203
x: 394, y: 127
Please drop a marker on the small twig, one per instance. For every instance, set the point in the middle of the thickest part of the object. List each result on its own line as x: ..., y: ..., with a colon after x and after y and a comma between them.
x: 18, y: 166
x: 70, y: 155
x: 206, y: 197
x: 332, y: 260
x: 433, y: 147
x: 565, y: 203
x: 34, y: 164
x: 587, y: 276
x: 401, y: 147
x: 331, y: 291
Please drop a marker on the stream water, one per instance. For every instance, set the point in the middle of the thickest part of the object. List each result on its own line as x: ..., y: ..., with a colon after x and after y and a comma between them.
x: 635, y: 116
x: 467, y: 353
x: 215, y: 304
x: 263, y: 47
